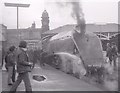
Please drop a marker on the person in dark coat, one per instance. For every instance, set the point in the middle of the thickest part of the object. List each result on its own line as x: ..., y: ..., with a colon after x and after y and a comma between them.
x: 109, y: 53
x: 11, y: 65
x: 114, y: 54
x: 23, y: 67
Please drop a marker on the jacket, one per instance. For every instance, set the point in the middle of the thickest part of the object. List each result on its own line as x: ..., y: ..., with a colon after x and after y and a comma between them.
x: 23, y: 64
x: 109, y: 52
x: 114, y: 51
x: 10, y: 58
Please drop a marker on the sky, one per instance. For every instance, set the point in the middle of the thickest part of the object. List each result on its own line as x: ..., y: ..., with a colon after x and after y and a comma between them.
x: 95, y: 11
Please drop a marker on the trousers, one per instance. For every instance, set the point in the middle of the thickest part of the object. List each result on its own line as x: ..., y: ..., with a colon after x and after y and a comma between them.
x: 114, y: 60
x: 14, y: 74
x: 26, y: 80
x: 10, y: 73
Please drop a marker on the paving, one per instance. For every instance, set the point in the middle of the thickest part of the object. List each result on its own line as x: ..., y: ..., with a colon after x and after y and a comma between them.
x: 55, y: 81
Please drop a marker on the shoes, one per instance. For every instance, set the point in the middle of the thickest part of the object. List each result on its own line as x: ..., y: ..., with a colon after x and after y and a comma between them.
x: 9, y: 83
x: 13, y: 81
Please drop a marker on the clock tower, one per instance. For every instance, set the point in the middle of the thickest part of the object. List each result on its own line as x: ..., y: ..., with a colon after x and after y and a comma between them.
x: 45, y: 21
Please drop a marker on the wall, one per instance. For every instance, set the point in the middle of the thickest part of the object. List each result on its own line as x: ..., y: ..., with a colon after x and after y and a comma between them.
x: 14, y: 36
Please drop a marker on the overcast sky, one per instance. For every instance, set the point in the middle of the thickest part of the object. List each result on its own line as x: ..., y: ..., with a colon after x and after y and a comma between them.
x: 95, y: 11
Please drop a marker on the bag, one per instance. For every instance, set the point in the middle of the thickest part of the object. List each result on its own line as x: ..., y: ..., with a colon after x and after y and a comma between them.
x: 6, y: 57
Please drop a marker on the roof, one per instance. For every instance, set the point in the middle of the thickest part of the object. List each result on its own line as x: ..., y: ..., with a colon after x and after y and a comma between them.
x: 14, y: 30
x: 60, y: 29
x: 3, y: 26
x: 45, y: 14
x: 67, y: 34
x: 62, y: 35
x: 110, y: 27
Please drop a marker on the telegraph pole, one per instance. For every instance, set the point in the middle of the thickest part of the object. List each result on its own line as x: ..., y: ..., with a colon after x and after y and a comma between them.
x: 17, y: 5
x: 17, y: 18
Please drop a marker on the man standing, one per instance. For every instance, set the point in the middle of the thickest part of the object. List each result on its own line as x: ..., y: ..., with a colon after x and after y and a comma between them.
x: 23, y: 67
x: 109, y: 53
x: 114, y: 54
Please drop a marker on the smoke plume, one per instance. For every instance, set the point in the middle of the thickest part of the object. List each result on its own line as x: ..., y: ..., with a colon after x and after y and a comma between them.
x: 76, y: 13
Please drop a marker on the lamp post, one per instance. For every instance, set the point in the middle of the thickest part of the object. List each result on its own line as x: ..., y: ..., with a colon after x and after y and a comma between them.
x: 17, y: 5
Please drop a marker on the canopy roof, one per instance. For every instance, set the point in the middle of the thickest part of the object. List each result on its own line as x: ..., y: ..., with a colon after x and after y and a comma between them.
x: 62, y: 35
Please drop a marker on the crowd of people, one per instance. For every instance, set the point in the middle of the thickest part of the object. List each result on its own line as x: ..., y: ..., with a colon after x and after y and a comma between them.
x: 18, y: 59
